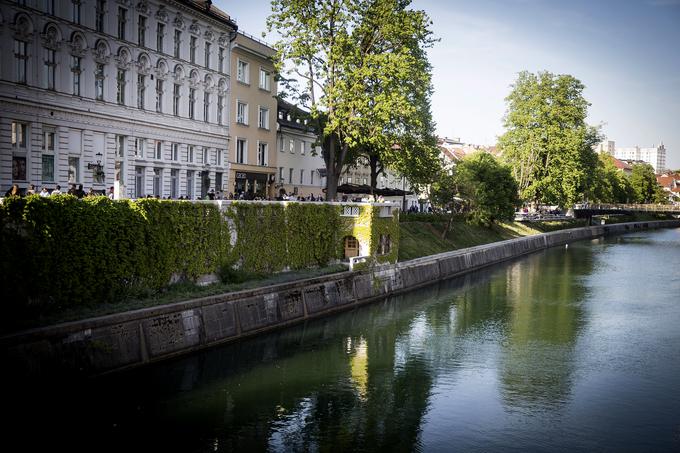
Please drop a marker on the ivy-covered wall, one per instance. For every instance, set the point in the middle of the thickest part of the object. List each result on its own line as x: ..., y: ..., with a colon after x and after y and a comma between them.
x: 59, y: 251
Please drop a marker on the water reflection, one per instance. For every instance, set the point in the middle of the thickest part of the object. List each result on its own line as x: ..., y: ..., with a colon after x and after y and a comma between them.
x: 490, y: 360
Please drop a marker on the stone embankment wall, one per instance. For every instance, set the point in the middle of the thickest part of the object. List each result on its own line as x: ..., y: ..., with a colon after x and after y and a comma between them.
x: 120, y: 341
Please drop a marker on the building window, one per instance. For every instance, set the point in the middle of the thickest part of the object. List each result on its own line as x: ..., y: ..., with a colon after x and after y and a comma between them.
x: 75, y: 10
x: 47, y: 168
x: 262, y: 154
x: 99, y: 82
x: 242, y: 113
x: 175, y: 152
x: 264, y: 79
x: 159, y: 149
x: 192, y: 49
x: 50, y: 68
x: 160, y: 32
x: 122, y: 20
x: 120, y: 81
x: 218, y: 159
x: 280, y: 174
x: 141, y: 90
x: 220, y: 108
x: 99, y: 18
x: 311, y: 177
x: 242, y: 72
x: 291, y: 146
x: 21, y: 56
x: 218, y: 180
x: 159, y: 95
x: 157, y: 182
x: 174, y: 183
x: 206, y: 107
x: 139, y: 182
x: 76, y: 69
x: 120, y: 145
x: 207, y: 55
x: 220, y: 61
x: 192, y: 102
x: 178, y: 40
x: 302, y: 148
x: 241, y: 151
x: 290, y: 176
x: 206, y: 155
x: 19, y: 137
x: 190, y: 154
x: 140, y: 144
x: 175, y: 100
x: 263, y: 118
x: 190, y: 184
x: 49, y: 136
x: 141, y: 31
x: 73, y: 169
x: 302, y: 176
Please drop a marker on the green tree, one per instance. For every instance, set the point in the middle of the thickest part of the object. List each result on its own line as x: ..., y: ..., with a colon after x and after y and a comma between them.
x: 547, y: 141
x: 489, y: 188
x: 610, y: 184
x: 363, y: 74
x: 645, y: 187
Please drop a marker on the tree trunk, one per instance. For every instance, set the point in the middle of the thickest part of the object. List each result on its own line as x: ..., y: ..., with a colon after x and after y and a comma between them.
x: 373, y: 164
x: 333, y: 158
x: 448, y: 225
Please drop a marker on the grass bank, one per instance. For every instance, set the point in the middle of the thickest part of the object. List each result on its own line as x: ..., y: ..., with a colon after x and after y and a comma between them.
x: 421, y: 238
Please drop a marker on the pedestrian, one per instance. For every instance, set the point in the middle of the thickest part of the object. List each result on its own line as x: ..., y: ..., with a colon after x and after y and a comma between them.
x: 13, y: 191
x: 79, y: 192
x: 31, y: 190
x: 111, y: 194
x: 57, y: 191
x: 44, y: 192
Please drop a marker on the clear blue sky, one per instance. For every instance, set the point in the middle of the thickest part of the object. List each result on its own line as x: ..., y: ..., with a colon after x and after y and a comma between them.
x: 626, y: 52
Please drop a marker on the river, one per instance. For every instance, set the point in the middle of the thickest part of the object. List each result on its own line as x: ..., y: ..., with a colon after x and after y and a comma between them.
x: 574, y: 348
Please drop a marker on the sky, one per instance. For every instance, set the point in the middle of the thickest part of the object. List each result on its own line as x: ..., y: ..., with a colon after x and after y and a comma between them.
x: 626, y: 52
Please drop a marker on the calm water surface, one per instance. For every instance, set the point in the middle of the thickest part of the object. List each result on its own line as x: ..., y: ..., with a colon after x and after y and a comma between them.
x: 573, y: 349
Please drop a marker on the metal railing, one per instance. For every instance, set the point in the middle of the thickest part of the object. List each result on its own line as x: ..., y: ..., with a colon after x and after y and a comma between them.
x: 629, y: 207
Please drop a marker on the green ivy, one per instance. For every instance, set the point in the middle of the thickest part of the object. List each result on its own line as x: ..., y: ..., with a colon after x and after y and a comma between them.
x: 60, y: 251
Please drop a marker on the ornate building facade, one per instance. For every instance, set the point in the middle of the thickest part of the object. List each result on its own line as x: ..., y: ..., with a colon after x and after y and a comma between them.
x: 124, y: 93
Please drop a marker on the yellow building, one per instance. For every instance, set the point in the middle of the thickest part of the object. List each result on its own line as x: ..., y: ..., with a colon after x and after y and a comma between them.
x: 253, y: 119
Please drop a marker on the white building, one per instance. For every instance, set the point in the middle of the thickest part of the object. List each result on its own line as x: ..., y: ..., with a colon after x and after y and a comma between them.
x: 655, y: 155
x: 126, y: 93
x: 301, y: 165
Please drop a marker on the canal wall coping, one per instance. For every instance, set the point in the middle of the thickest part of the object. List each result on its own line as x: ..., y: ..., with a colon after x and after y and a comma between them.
x: 130, y: 339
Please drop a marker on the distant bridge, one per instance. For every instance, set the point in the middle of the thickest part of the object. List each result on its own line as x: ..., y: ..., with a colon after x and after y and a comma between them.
x: 588, y: 210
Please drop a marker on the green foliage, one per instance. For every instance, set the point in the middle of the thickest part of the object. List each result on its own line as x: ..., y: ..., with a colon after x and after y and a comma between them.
x: 610, y: 185
x: 261, y: 237
x: 362, y: 71
x: 547, y: 141
x: 644, y: 185
x: 311, y: 234
x: 489, y: 187
x: 61, y: 251
x: 429, y: 217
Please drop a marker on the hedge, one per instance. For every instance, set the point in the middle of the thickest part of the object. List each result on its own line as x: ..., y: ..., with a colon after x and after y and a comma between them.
x: 60, y: 251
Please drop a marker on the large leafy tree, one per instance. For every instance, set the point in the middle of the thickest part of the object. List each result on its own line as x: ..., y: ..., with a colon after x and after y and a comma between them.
x: 547, y: 141
x: 361, y: 69
x: 488, y: 186
x: 645, y: 187
x: 479, y: 186
x: 610, y: 184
